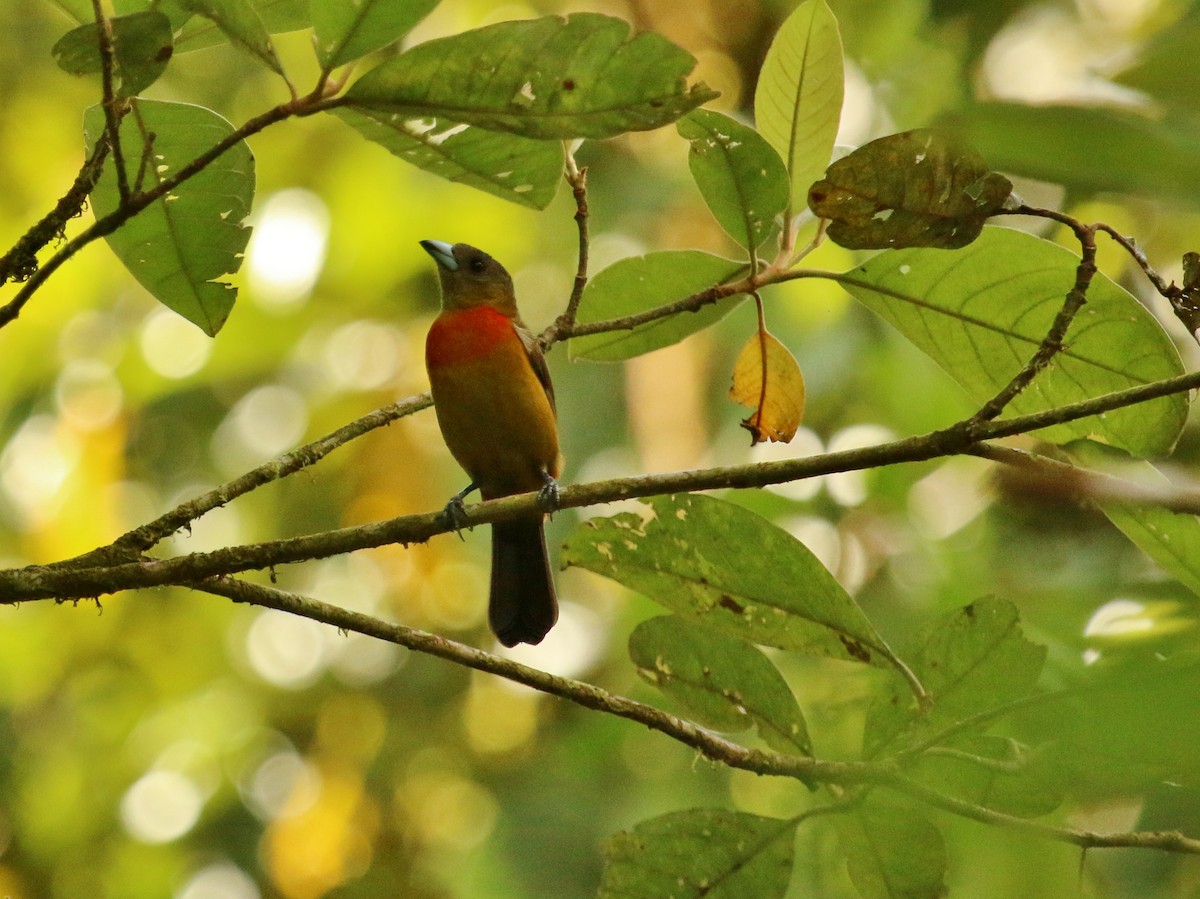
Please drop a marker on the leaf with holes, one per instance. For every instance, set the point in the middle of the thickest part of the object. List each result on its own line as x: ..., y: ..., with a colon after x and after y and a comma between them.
x: 141, y: 50
x: 641, y: 283
x: 915, y: 189
x: 981, y: 313
x: 798, y: 100
x: 347, y: 30
x: 582, y: 76
x: 685, y: 559
x: 180, y: 246
x: 740, y: 176
x: 508, y: 166
x: 700, y: 854
x: 726, y: 683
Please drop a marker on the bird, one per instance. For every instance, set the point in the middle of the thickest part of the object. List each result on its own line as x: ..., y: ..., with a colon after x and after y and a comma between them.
x: 495, y: 406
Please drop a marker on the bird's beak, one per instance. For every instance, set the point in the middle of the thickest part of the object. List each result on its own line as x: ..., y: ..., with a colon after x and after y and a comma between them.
x: 442, y: 253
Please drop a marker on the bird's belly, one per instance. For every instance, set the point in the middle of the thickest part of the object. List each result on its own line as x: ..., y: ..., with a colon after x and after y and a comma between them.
x: 497, y: 422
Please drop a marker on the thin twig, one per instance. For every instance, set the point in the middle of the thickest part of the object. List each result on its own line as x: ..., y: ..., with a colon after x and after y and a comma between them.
x: 882, y: 773
x: 20, y: 263
x: 46, y: 582
x: 305, y: 106
x: 1052, y: 344
x: 132, y: 544
x: 112, y: 118
x: 577, y: 178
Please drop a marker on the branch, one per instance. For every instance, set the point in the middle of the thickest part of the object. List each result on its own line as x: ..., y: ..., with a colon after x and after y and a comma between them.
x: 763, y: 762
x: 131, y: 545
x: 20, y: 263
x: 304, y: 106
x: 112, y: 118
x: 52, y: 582
x: 1052, y: 343
x: 577, y: 178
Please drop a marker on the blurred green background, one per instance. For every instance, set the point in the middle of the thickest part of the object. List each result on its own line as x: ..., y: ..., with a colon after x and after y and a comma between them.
x: 172, y: 744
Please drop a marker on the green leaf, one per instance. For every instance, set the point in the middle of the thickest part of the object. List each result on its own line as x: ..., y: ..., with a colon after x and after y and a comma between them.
x: 740, y: 176
x: 349, y: 29
x: 994, y: 772
x: 1126, y: 729
x: 700, y: 854
x: 179, y: 246
x: 972, y: 660
x: 1171, y: 539
x: 893, y: 852
x: 713, y: 562
x: 1138, y: 155
x: 798, y: 100
x: 641, y: 283
x: 141, y: 50
x: 726, y: 683
x: 582, y: 76
x: 981, y: 312
x: 511, y: 167
x: 277, y: 16
x: 240, y: 22
x: 915, y: 189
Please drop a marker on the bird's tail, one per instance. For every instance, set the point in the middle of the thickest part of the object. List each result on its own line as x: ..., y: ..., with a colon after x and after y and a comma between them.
x: 523, y: 606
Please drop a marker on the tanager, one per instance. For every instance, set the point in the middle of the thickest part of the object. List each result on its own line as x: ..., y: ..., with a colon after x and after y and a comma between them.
x: 495, y: 406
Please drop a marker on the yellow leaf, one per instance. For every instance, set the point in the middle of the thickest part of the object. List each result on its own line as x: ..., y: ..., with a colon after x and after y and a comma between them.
x: 766, y: 377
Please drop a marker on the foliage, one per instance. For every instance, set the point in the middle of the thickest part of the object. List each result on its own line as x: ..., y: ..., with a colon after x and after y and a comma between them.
x: 933, y: 685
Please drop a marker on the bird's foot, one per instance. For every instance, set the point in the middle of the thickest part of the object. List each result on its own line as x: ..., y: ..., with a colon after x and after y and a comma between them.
x: 547, y: 497
x: 456, y: 511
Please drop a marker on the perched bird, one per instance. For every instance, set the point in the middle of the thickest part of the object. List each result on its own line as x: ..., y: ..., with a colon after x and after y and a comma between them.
x: 495, y: 406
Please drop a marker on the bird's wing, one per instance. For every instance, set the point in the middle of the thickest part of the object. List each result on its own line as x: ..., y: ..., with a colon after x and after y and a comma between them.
x: 533, y: 351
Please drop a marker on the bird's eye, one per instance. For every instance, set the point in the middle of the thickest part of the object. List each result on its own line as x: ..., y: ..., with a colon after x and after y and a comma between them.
x: 477, y: 264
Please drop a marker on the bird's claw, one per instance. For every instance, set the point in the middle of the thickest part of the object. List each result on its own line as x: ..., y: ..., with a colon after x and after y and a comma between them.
x: 456, y: 515
x: 547, y: 496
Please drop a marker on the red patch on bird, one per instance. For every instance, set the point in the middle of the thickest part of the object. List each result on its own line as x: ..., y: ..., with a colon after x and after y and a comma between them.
x: 466, y: 334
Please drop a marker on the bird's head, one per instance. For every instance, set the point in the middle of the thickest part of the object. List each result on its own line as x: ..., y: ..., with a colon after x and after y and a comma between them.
x: 471, y: 277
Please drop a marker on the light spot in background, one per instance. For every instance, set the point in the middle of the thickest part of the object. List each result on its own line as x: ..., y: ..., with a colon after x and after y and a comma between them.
x: 498, y: 718
x: 35, y: 465
x: 359, y: 661
x: 215, y: 529
x: 219, y: 880
x: 819, y: 535
x: 283, y: 784
x: 363, y: 355
x: 849, y: 488
x: 286, y: 650
x: 859, y: 111
x: 453, y: 596
x: 949, y: 498
x: 572, y: 647
x: 806, y: 443
x: 161, y: 806
x: 172, y: 346
x: 264, y: 423
x: 1118, y: 15
x: 287, y: 249
x: 87, y: 394
x: 1046, y: 54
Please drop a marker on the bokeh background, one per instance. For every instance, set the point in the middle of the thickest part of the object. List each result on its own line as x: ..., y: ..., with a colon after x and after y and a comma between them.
x: 167, y: 743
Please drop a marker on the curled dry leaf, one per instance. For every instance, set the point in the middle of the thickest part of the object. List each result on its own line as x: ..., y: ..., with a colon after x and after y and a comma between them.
x: 767, y: 379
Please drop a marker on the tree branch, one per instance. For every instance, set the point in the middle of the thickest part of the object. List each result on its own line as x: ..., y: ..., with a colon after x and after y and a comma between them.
x: 882, y: 773
x: 55, y: 582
